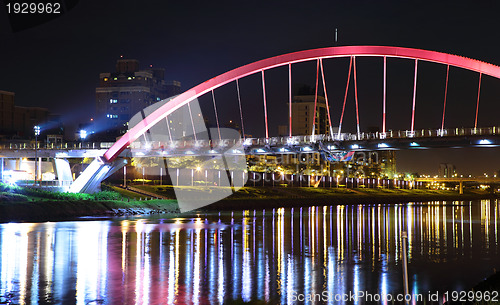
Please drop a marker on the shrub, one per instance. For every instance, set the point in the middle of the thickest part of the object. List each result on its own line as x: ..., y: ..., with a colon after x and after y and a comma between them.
x: 4, y: 196
x: 106, y: 195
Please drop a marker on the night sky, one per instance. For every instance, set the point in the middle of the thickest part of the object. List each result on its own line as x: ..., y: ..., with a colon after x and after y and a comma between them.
x: 57, y: 64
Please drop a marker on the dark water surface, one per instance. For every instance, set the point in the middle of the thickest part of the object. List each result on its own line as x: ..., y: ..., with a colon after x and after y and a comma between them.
x: 276, y: 255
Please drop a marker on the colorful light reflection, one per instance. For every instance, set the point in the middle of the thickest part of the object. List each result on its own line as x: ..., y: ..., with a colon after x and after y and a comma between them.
x: 247, y: 255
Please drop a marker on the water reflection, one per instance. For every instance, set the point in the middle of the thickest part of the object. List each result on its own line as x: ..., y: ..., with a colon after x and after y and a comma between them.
x: 248, y: 255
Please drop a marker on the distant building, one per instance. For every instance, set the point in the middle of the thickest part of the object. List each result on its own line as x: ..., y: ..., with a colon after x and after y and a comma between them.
x: 446, y: 170
x: 232, y: 125
x: 128, y: 90
x: 282, y: 130
x: 6, y: 111
x: 387, y: 159
x: 303, y: 115
x: 173, y: 88
x: 17, y: 121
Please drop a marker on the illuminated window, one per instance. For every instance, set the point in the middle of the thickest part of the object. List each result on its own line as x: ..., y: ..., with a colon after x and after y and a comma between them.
x: 112, y: 116
x: 113, y: 101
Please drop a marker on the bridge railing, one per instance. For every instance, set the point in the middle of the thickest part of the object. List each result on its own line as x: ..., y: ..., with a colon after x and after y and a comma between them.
x: 420, y: 133
x: 62, y: 146
x: 272, y: 141
x: 45, y: 183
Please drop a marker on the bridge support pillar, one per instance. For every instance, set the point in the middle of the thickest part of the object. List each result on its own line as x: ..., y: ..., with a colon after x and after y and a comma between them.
x: 461, y: 188
x: 62, y: 169
x: 90, y: 179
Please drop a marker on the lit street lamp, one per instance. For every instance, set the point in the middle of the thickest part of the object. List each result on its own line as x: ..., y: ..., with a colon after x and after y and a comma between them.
x: 83, y: 134
x: 37, y: 133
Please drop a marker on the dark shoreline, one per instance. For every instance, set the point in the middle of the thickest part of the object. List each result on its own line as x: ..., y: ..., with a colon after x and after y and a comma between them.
x: 245, y: 204
x: 56, y: 210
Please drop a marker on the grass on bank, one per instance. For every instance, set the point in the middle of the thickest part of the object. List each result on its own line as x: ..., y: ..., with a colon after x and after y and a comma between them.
x: 113, y: 197
x: 16, y: 193
x: 27, y: 204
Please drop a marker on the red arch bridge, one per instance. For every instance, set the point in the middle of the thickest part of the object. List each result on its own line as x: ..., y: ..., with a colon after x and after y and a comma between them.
x: 142, y: 140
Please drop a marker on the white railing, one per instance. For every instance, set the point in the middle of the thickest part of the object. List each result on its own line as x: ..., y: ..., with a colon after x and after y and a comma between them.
x: 272, y: 141
x: 44, y: 183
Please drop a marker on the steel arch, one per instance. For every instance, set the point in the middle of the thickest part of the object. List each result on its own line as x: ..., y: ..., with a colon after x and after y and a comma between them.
x: 290, y: 58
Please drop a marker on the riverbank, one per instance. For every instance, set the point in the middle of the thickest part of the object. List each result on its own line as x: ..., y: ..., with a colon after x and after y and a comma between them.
x: 28, y: 205
x: 353, y: 197
x: 58, y: 210
x: 32, y: 205
x: 269, y: 197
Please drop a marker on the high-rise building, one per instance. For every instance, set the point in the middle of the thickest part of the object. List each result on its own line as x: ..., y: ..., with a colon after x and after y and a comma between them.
x: 6, y: 111
x: 128, y: 90
x: 17, y: 121
x: 303, y: 115
x: 446, y: 170
x: 173, y: 88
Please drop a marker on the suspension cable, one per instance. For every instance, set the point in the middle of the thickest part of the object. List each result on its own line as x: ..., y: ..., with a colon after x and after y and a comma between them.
x: 315, y: 101
x: 326, y: 97
x: 345, y: 97
x: 478, y: 94
x: 216, y: 116
x: 356, y: 98
x: 192, y: 122
x: 385, y: 96
x: 414, y: 98
x: 290, y: 99
x: 241, y: 112
x: 445, y: 97
x: 265, y: 104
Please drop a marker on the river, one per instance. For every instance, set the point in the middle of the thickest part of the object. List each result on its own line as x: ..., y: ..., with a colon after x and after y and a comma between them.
x: 282, y: 256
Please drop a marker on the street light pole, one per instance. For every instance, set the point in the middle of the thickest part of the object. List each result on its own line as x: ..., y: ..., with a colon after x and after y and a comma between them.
x: 83, y: 135
x: 37, y: 133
